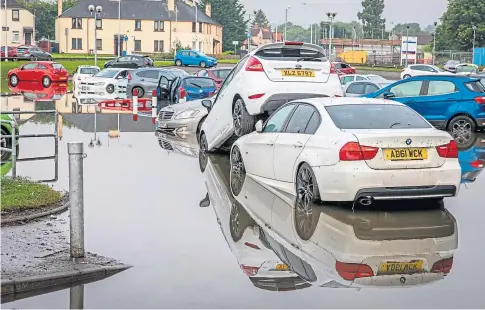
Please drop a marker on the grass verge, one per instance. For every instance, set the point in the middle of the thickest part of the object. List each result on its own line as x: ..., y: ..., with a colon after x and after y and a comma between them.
x: 20, y: 193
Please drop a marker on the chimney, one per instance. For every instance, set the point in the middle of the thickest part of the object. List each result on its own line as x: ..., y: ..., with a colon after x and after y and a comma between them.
x: 208, y: 9
x: 59, y: 7
x: 171, y: 5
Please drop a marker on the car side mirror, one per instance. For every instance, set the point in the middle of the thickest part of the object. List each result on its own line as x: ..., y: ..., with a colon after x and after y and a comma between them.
x: 389, y: 95
x: 207, y: 104
x: 259, y: 126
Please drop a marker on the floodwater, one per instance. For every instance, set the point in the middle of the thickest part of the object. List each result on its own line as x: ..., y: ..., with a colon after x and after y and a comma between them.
x: 168, y: 213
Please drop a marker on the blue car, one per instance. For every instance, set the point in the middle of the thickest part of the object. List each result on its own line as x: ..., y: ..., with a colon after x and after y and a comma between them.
x: 187, y: 88
x: 194, y: 58
x: 471, y: 156
x: 454, y: 103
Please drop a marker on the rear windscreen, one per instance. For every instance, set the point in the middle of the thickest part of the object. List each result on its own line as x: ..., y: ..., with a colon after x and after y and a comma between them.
x: 199, y: 83
x: 477, y: 87
x: 89, y: 70
x: 57, y: 66
x: 289, y: 52
x: 375, y: 116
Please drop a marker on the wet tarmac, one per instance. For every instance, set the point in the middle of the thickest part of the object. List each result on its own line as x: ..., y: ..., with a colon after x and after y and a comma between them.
x: 152, y: 203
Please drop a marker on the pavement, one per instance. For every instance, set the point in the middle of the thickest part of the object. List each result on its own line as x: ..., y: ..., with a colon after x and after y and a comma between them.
x: 142, y: 206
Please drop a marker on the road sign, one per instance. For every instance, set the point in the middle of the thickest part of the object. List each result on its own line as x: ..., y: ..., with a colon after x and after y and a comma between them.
x: 235, y: 42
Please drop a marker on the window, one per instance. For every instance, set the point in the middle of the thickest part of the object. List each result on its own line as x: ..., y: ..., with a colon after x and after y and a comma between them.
x: 369, y: 88
x: 77, y: 23
x: 149, y: 74
x: 158, y: 46
x: 199, y: 83
x: 277, y: 120
x: 137, y: 24
x: 203, y: 73
x: 375, y: 116
x: 99, y: 44
x: 221, y: 74
x: 193, y: 45
x: 289, y: 54
x: 209, y: 29
x: 15, y: 36
x: 346, y: 79
x: 407, y: 89
x: 15, y: 15
x: 476, y: 87
x: 58, y: 66
x: 90, y: 71
x: 313, y: 124
x: 124, y: 58
x: 200, y: 27
x: 42, y: 67
x: 361, y: 78
x: 299, y: 120
x: 76, y: 43
x: 193, y: 26
x: 137, y: 45
x: 200, y: 46
x: 356, y: 88
x: 99, y: 24
x: 158, y: 25
x: 343, y: 66
x: 441, y: 87
x: 29, y: 66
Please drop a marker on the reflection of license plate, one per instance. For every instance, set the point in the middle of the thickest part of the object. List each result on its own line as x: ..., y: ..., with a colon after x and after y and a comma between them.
x: 281, y: 267
x: 163, y: 125
x: 84, y: 88
x: 406, y: 154
x: 298, y: 73
x: 163, y: 136
x: 401, y: 267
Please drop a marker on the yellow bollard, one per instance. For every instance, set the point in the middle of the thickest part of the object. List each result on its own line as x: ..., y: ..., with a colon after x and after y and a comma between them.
x: 59, y: 127
x: 113, y: 134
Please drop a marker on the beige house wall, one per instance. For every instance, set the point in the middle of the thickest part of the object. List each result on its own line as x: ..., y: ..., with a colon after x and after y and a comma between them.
x: 181, y: 31
x: 26, y: 19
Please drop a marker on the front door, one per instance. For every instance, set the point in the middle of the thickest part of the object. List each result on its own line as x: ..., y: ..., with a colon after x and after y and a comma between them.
x: 28, y: 38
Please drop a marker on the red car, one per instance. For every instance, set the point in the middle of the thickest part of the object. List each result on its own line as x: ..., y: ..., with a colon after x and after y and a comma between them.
x: 35, y: 91
x: 45, y: 72
x: 217, y: 74
x: 11, y: 52
x: 344, y: 68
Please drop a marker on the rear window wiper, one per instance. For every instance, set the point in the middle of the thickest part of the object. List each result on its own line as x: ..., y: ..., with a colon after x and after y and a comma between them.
x: 196, y: 85
x: 309, y: 59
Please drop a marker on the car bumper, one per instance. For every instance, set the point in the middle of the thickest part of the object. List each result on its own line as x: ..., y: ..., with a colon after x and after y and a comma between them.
x: 187, y: 125
x: 480, y: 122
x: 351, y: 180
x: 56, y: 78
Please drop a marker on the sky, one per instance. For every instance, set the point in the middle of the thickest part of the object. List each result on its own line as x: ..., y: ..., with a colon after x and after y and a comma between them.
x: 424, y: 12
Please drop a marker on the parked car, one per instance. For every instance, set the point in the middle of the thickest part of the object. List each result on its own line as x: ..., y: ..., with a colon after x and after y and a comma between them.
x: 450, y: 102
x: 450, y: 65
x: 344, y: 68
x: 218, y: 75
x: 35, y: 91
x: 418, y: 70
x: 471, y: 155
x: 261, y: 82
x: 359, y: 88
x: 466, y: 69
x: 32, y: 53
x: 194, y: 58
x: 45, y: 72
x: 182, y: 118
x: 108, y: 84
x: 312, y: 148
x: 480, y: 76
x: 146, y: 80
x: 7, y: 130
x: 81, y: 73
x: 130, y: 61
x: 187, y: 88
x: 11, y: 52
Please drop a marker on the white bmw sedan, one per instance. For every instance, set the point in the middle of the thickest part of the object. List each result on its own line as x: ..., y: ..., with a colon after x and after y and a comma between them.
x: 350, y: 149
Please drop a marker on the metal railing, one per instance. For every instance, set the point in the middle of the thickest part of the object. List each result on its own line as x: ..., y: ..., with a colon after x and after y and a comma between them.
x: 14, y: 137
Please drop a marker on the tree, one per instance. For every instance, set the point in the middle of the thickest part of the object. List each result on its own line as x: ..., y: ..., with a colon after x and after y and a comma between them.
x: 260, y: 19
x: 232, y: 17
x: 414, y: 29
x: 456, y: 28
x: 371, y: 18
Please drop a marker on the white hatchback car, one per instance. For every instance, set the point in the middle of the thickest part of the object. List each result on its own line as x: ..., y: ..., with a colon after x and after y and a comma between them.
x: 81, y: 73
x: 350, y: 149
x: 418, y: 70
x: 261, y: 82
x: 107, y: 84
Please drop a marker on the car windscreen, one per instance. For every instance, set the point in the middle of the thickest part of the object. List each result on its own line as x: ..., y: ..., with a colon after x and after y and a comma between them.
x: 199, y: 82
x: 467, y: 69
x: 177, y: 72
x: 222, y: 74
x: 291, y: 53
x: 106, y: 74
x: 375, y: 116
x: 476, y: 86
x: 57, y: 66
x: 89, y: 70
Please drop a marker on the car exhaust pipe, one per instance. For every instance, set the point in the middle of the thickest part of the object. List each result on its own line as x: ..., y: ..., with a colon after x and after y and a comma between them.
x: 365, y: 201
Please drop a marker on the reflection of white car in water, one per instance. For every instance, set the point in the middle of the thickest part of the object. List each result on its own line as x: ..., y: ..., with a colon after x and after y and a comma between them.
x: 106, y: 84
x: 331, y: 246
x: 257, y: 261
x: 186, y: 145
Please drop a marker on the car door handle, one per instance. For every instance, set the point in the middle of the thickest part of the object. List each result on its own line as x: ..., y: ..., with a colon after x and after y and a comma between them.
x: 298, y: 144
x: 271, y: 143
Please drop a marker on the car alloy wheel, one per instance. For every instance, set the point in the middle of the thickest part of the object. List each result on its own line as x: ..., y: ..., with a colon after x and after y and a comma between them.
x: 306, y: 196
x: 110, y: 88
x: 238, y: 171
x: 32, y: 58
x: 239, y: 220
x: 203, y: 64
x: 462, y: 126
x: 243, y: 122
x: 203, y: 153
x: 14, y: 80
x: 178, y: 63
x: 46, y: 81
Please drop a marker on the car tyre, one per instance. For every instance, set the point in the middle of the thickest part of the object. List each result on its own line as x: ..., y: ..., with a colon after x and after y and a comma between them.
x: 242, y: 120
x: 14, y: 80
x: 239, y: 220
x: 461, y: 125
x: 238, y: 171
x: 199, y: 126
x: 49, y: 58
x: 110, y: 88
x: 203, y: 64
x: 32, y: 58
x: 203, y: 152
x: 178, y: 62
x: 46, y: 81
x: 141, y: 91
x: 6, y: 143
x: 406, y: 76
x: 307, y: 195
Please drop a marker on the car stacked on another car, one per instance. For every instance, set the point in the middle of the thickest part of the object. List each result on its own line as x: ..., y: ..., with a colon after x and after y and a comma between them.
x: 146, y: 80
x: 130, y: 61
x: 107, y: 84
x: 194, y: 58
x: 45, y: 72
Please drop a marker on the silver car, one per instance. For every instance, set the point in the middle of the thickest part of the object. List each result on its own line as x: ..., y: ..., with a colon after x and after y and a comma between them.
x: 145, y: 80
x: 359, y: 88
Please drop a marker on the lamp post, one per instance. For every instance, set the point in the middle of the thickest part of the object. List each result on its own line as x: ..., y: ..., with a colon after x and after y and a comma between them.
x: 119, y: 27
x: 434, y: 42
x: 196, y: 26
x: 331, y: 17
x: 286, y: 21
x: 97, y: 11
x: 5, y: 52
x: 407, y: 44
x: 474, y: 38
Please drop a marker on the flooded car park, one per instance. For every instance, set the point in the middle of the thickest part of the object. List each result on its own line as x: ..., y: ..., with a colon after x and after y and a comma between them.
x: 172, y: 213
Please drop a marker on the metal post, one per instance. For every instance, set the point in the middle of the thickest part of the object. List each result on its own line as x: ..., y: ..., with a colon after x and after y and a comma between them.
x: 95, y: 122
x: 407, y: 44
x: 14, y: 150
x: 286, y: 21
x: 76, y: 297
x: 119, y: 28
x: 95, y: 40
x: 76, y: 198
x: 56, y: 145
x: 474, y: 38
x: 6, y: 33
x: 311, y: 33
x: 434, y: 47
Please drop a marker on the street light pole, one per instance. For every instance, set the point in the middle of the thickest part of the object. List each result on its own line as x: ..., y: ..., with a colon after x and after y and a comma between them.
x: 407, y: 44
x: 96, y: 11
x: 331, y: 17
x: 5, y: 52
x: 474, y: 38
x: 434, y: 42
x: 196, y: 26
x: 119, y: 27
x: 286, y: 20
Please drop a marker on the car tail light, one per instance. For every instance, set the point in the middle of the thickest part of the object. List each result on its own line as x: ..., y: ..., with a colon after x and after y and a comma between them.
x: 443, y: 266
x: 353, y: 151
x: 129, y: 77
x: 350, y: 272
x: 254, y: 246
x: 182, y: 93
x: 254, y: 65
x: 250, y: 271
x: 478, y: 164
x: 256, y: 96
x: 211, y: 93
x: 293, y: 43
x: 449, y: 150
x: 480, y: 100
